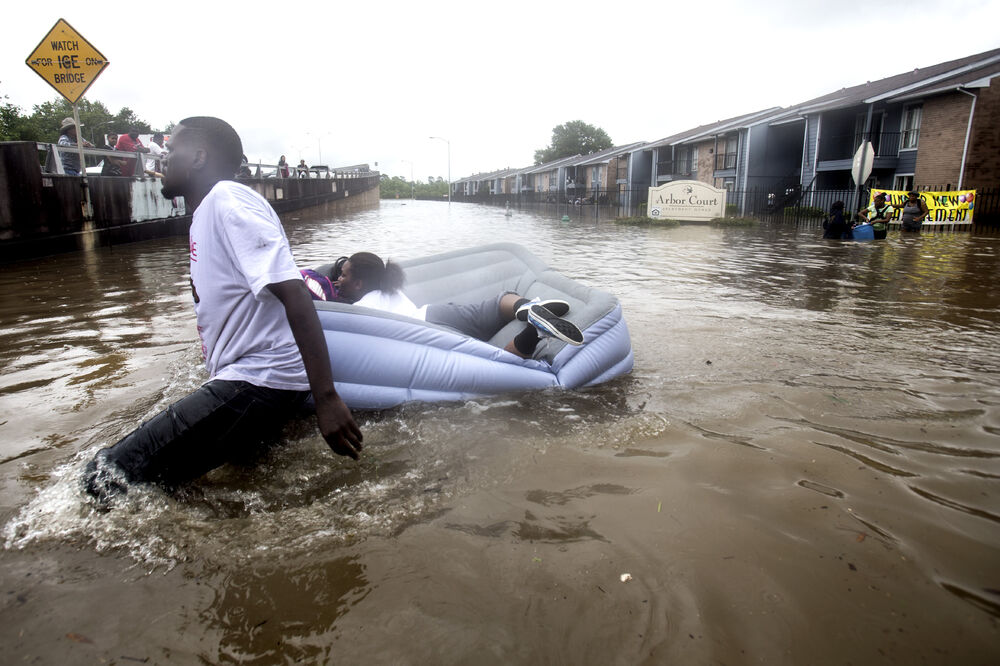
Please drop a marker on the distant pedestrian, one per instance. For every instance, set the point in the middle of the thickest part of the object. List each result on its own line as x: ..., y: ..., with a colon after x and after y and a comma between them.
x: 112, y: 166
x: 283, y: 167
x: 835, y: 226
x: 303, y: 169
x: 130, y: 143
x: 155, y: 151
x: 68, y: 138
x: 914, y: 212
x: 244, y: 171
x: 878, y: 214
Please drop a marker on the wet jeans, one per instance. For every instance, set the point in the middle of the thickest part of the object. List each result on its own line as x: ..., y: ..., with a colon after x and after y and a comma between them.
x: 194, y: 435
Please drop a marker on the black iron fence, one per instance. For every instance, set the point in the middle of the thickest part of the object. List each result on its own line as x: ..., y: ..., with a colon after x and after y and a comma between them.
x: 783, y: 205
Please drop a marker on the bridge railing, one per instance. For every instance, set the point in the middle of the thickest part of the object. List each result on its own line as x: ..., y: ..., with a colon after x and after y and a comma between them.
x: 134, y: 163
x: 139, y: 165
x: 262, y: 170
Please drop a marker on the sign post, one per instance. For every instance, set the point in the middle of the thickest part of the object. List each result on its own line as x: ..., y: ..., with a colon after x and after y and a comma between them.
x: 70, y: 64
x: 861, y: 169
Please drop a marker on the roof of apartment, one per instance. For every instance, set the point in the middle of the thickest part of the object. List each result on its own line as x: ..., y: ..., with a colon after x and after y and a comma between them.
x: 711, y: 129
x: 549, y: 166
x: 970, y: 71
x: 490, y: 175
x: 608, y: 154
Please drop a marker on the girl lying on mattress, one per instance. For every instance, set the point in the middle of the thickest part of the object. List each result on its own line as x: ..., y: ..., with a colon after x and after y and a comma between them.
x: 364, y: 279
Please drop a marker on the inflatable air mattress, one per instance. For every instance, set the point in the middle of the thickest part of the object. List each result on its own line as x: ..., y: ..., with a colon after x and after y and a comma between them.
x: 380, y: 359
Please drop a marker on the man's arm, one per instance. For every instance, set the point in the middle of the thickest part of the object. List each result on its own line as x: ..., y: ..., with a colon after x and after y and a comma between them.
x: 335, y: 421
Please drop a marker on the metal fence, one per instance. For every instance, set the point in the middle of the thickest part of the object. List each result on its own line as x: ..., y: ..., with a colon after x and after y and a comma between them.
x: 136, y: 165
x: 789, y: 205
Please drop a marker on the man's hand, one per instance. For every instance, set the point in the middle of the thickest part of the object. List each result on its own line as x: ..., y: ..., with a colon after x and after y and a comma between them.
x: 338, y: 427
x: 335, y: 421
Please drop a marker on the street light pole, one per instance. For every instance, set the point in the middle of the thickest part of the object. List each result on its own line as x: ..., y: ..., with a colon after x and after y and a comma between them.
x: 449, y: 164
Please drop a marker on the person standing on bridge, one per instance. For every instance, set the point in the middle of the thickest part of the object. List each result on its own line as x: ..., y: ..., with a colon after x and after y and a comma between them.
x: 68, y: 138
x: 260, y: 336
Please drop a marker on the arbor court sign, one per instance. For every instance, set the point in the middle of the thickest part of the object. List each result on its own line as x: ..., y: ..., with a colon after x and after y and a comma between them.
x: 686, y: 200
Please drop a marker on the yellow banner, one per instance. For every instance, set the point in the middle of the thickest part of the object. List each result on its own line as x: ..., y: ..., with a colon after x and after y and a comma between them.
x: 954, y: 207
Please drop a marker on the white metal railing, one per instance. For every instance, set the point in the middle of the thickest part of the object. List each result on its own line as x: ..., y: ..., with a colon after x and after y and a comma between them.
x: 54, y: 160
x: 138, y: 169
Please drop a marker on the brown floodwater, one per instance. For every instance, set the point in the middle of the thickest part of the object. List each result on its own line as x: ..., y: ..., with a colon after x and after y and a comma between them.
x: 803, y: 468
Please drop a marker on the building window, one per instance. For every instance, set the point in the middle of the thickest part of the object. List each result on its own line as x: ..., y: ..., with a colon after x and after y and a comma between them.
x: 595, y: 178
x: 727, y: 159
x: 911, y: 127
x: 682, y: 162
x: 903, y: 183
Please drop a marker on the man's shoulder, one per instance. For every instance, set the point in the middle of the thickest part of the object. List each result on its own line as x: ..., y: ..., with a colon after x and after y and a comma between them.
x: 228, y: 194
x: 238, y: 191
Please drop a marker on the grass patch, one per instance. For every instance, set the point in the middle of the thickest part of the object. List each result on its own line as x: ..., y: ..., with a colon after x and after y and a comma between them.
x: 642, y: 220
x: 734, y: 222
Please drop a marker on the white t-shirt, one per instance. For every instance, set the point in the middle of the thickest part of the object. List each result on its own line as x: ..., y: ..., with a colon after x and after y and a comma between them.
x: 238, y: 247
x: 396, y: 303
x: 153, y: 150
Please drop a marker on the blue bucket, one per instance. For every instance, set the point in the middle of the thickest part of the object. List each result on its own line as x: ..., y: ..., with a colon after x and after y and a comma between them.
x: 864, y: 232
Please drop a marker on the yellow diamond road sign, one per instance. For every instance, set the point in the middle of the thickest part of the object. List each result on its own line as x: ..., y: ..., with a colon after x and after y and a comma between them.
x: 67, y: 61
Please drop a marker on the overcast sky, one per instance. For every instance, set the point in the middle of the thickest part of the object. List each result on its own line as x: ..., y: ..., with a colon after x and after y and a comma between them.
x: 370, y: 81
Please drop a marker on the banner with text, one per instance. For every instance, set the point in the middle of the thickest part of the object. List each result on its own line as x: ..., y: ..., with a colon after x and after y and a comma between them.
x: 954, y: 207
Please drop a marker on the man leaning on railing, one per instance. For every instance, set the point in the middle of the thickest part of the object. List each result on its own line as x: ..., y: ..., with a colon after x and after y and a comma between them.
x: 68, y: 138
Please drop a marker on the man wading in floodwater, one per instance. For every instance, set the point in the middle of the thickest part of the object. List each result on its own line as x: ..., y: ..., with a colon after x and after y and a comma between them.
x: 260, y: 336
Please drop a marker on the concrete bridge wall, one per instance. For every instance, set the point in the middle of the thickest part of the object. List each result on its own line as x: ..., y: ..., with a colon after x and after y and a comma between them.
x: 42, y: 213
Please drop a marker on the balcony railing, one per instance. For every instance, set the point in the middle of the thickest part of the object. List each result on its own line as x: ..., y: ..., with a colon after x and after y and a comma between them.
x: 725, y: 161
x: 676, y: 168
x: 843, y: 147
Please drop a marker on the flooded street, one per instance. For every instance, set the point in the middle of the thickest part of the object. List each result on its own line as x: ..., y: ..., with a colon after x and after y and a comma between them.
x: 803, y: 467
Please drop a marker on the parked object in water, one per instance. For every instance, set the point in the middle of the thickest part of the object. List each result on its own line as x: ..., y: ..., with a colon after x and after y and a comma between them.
x: 381, y: 360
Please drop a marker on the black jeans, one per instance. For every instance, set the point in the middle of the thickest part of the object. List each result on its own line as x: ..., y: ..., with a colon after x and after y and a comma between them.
x: 195, y: 435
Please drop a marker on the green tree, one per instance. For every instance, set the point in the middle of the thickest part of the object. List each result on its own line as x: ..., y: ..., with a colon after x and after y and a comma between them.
x: 397, y: 187
x: 13, y: 125
x: 44, y: 122
x: 573, y: 138
x: 394, y: 187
